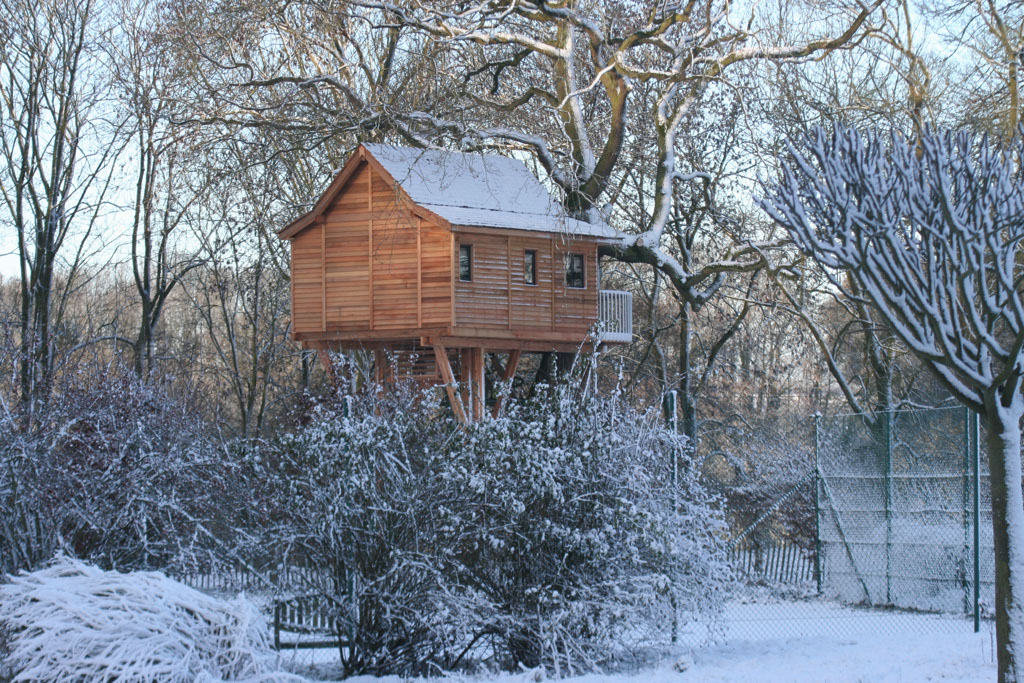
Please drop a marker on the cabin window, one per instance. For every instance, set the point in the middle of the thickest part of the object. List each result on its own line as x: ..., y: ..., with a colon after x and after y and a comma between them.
x: 466, y: 262
x: 530, y: 267
x: 574, y: 276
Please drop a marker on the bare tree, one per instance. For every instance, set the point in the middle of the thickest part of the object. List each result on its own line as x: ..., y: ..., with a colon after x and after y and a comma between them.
x: 930, y: 234
x: 167, y: 184
x: 58, y: 137
x: 893, y: 81
x: 990, y: 38
x: 240, y: 296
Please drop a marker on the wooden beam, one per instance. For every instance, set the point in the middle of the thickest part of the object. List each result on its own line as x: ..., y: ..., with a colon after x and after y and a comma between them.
x: 341, y: 336
x: 323, y: 273
x: 453, y: 266
x: 508, y: 272
x: 520, y: 232
x: 445, y: 370
x: 505, y: 344
x: 324, y: 356
x: 554, y: 279
x: 565, y: 334
x: 477, y: 389
x: 506, y: 377
x: 585, y: 380
x: 291, y: 288
x: 419, y: 272
x: 464, y: 379
x: 369, y: 246
x: 380, y: 365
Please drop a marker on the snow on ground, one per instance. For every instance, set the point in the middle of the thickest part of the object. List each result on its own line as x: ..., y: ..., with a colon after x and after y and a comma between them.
x: 809, y: 641
x: 819, y: 642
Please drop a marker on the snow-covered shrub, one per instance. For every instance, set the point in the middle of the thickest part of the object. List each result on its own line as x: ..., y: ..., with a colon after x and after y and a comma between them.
x: 5, y: 668
x: 74, y: 622
x: 546, y: 537
x: 113, y: 470
x: 574, y: 533
x: 362, y: 498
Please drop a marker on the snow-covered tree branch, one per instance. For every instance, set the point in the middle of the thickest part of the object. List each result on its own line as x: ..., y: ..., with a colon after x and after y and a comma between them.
x: 930, y: 230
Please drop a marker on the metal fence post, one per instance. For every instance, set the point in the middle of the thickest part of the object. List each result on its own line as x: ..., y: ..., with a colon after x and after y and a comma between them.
x: 673, y: 424
x: 817, y: 505
x: 967, y: 508
x: 888, y: 506
x: 976, y: 433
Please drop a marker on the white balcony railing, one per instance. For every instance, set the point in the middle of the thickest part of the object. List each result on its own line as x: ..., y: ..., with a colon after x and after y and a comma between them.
x: 615, y: 316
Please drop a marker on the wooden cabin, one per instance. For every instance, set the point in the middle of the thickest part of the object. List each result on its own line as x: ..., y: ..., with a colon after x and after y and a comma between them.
x: 435, y: 258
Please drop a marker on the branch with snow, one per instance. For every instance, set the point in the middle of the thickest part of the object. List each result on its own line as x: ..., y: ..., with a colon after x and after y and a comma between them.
x: 932, y: 232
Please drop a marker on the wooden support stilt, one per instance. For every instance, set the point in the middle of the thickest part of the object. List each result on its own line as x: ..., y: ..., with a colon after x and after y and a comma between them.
x: 464, y: 375
x: 444, y: 368
x: 380, y: 365
x: 585, y: 380
x: 506, y: 376
x: 477, y: 390
x: 324, y: 356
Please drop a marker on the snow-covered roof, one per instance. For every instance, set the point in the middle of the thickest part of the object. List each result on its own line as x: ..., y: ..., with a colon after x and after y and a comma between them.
x: 480, y: 190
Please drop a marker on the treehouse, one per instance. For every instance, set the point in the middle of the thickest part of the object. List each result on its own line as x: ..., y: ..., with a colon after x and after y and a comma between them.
x: 435, y: 258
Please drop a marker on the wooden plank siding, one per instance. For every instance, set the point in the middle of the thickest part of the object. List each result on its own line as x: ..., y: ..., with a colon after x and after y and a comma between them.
x: 348, y: 294
x: 395, y: 261
x: 483, y: 302
x: 436, y: 274
x: 575, y: 309
x: 384, y: 268
x: 546, y: 310
x: 306, y: 275
x: 373, y: 267
x: 531, y: 304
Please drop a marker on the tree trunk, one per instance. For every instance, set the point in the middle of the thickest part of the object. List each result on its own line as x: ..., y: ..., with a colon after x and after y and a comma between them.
x: 563, y: 365
x: 36, y: 360
x: 687, y: 400
x: 1004, y: 442
x: 142, y: 349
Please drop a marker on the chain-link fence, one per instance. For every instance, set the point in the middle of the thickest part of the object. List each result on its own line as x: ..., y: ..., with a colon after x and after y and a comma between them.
x: 898, y: 512
x: 857, y: 523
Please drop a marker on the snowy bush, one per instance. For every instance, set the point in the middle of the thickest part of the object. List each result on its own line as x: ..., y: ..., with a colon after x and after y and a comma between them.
x: 360, y: 498
x: 74, y: 622
x: 5, y: 668
x: 578, y: 539
x: 544, y: 538
x: 113, y: 470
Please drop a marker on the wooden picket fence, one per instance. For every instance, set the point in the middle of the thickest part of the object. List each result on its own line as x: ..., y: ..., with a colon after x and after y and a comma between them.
x: 773, y: 561
x: 239, y: 577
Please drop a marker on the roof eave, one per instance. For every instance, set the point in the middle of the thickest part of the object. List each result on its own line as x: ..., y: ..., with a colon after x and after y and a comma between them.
x: 461, y: 227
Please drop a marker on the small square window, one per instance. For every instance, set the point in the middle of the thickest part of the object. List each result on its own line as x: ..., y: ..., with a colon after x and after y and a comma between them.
x: 574, y: 275
x: 466, y: 262
x: 530, y: 267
